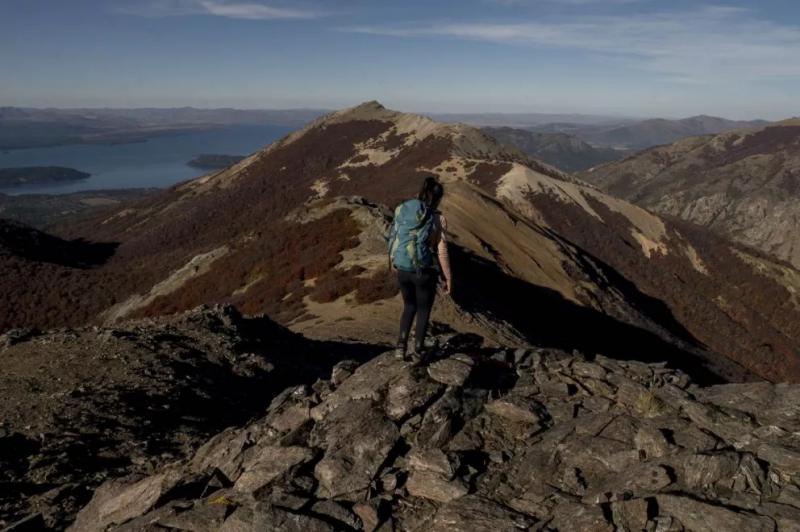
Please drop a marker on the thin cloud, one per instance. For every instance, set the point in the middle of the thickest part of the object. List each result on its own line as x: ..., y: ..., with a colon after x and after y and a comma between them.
x: 218, y: 8
x: 565, y: 2
x: 695, y: 46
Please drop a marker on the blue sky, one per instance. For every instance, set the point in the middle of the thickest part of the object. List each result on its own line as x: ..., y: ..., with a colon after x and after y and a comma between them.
x: 629, y: 57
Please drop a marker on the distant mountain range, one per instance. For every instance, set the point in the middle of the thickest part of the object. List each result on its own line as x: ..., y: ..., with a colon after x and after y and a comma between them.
x: 29, y: 127
x: 744, y: 184
x: 563, y: 151
x: 528, y: 120
x: 643, y: 134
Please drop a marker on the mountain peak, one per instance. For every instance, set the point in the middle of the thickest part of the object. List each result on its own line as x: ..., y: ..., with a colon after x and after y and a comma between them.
x: 371, y: 104
x: 371, y: 110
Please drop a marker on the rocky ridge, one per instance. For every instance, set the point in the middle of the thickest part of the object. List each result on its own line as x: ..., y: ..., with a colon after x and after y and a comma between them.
x: 84, y: 405
x: 485, y: 440
x: 642, y: 134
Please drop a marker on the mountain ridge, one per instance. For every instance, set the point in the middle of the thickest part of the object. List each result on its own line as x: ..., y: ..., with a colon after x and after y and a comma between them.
x: 650, y: 132
x: 281, y: 232
x: 564, y: 151
x: 741, y: 183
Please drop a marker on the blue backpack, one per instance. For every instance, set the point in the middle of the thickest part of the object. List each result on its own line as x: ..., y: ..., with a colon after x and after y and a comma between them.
x: 410, y: 236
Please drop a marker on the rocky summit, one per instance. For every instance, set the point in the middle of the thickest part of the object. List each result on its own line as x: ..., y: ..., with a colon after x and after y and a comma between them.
x: 83, y: 405
x: 484, y: 439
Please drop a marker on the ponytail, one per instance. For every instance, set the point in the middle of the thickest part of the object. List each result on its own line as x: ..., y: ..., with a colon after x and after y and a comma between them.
x: 431, y: 192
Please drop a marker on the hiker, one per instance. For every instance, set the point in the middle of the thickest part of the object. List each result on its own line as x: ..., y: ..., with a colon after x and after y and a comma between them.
x: 416, y: 240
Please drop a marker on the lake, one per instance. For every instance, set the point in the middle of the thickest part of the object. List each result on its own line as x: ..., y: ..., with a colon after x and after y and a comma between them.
x: 158, y: 162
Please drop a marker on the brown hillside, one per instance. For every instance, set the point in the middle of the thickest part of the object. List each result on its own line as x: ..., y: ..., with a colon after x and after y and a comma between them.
x: 743, y: 184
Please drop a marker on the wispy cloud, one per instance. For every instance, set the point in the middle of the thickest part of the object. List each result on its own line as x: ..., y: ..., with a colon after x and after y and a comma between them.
x: 566, y: 2
x: 220, y: 8
x: 697, y: 46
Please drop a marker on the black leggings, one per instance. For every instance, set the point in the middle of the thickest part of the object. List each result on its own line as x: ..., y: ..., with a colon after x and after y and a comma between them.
x: 419, y: 291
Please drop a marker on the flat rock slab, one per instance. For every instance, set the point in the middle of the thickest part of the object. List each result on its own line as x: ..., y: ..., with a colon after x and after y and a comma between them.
x: 434, y: 486
x: 703, y: 517
x: 118, y: 501
x: 476, y: 514
x: 265, y: 517
x: 451, y: 371
x: 358, y: 437
x: 580, y: 518
x: 430, y: 459
x: 269, y: 463
x: 516, y: 409
x: 408, y: 394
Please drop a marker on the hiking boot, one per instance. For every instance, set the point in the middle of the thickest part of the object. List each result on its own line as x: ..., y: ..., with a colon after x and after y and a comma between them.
x: 415, y: 358
x: 424, y: 353
x: 400, y: 351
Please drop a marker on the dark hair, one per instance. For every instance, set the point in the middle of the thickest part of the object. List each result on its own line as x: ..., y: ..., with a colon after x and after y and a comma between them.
x: 431, y: 192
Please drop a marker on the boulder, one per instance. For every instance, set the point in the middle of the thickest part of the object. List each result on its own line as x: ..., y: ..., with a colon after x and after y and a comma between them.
x: 453, y: 371
x: 201, y: 518
x: 369, y: 515
x: 333, y: 511
x: 781, y: 457
x: 223, y: 452
x: 357, y: 438
x: 262, y: 516
x: 438, y: 423
x: 637, y: 482
x: 408, y: 394
x: 267, y: 463
x: 431, y: 459
x: 477, y: 514
x: 434, y: 486
x: 117, y: 501
x: 700, y: 516
x: 651, y: 442
x: 582, y: 368
x: 630, y: 515
x: 580, y: 518
x: 514, y: 408
x: 369, y: 381
x: 341, y: 371
x: 704, y: 470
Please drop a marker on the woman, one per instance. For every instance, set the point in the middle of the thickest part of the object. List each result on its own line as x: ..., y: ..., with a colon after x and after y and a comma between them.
x: 416, y: 240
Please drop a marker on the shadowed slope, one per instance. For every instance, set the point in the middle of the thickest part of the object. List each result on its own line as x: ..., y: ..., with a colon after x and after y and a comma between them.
x: 82, y: 405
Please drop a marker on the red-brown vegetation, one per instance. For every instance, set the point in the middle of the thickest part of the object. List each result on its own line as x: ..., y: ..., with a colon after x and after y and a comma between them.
x: 486, y: 174
x: 757, y: 316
